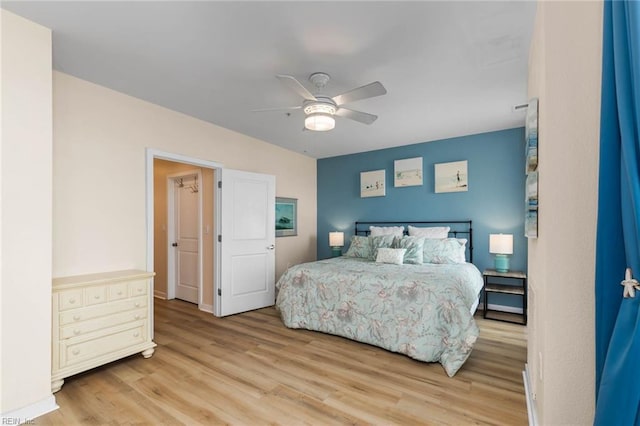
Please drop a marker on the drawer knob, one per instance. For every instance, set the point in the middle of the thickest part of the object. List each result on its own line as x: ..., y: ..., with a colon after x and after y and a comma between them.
x: 137, y: 317
x: 136, y: 334
x: 137, y: 304
x: 76, y: 331
x: 75, y: 351
x: 120, y: 293
x: 76, y: 317
x: 139, y: 290
x: 72, y: 301
x: 97, y: 296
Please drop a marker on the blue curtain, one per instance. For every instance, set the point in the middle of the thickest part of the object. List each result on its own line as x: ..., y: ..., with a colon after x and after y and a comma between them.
x: 617, y: 246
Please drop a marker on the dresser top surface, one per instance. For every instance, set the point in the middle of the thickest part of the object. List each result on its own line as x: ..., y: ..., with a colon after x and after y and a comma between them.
x: 100, y: 278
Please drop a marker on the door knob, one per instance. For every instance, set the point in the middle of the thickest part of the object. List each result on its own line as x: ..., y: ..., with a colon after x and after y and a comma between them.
x: 271, y: 247
x: 174, y: 244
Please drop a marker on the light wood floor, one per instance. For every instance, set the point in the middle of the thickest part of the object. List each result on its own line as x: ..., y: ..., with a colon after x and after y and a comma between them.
x: 250, y: 369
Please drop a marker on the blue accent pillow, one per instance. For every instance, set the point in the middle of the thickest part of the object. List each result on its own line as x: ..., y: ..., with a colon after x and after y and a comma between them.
x: 414, y: 247
x: 359, y: 247
x: 380, y: 241
x: 445, y: 250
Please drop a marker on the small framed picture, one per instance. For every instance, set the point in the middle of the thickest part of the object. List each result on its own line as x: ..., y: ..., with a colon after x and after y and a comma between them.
x: 407, y: 172
x: 531, y: 224
x: 531, y: 136
x: 372, y: 184
x: 286, y: 217
x: 451, y: 177
x: 532, y: 191
x: 531, y: 164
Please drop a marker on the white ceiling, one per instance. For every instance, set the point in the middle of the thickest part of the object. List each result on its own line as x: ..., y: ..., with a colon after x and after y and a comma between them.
x: 450, y: 68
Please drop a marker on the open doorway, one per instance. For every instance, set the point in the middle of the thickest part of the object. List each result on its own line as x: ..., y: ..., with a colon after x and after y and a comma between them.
x: 238, y: 242
x: 184, y: 231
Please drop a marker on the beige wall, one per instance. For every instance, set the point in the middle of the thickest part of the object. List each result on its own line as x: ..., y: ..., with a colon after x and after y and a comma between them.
x: 161, y: 169
x: 25, y: 223
x: 99, y: 218
x: 100, y: 138
x: 565, y: 73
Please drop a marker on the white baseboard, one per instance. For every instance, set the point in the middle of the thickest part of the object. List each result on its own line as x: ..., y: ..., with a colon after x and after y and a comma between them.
x: 29, y: 413
x: 206, y: 308
x: 503, y: 308
x: 160, y: 294
x: 531, y: 408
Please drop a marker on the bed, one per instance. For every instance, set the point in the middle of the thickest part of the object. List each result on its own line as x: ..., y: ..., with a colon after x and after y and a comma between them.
x: 422, y: 310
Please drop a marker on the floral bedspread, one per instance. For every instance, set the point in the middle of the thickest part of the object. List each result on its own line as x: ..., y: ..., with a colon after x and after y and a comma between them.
x: 422, y: 311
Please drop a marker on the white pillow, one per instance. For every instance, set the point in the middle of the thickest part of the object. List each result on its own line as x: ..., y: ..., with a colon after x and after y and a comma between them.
x: 431, y: 232
x: 390, y: 255
x: 375, y: 231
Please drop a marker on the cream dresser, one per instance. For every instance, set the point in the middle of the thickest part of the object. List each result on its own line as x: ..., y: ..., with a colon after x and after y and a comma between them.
x: 99, y: 318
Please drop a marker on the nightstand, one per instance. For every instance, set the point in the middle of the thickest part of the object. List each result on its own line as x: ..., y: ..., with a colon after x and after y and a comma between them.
x: 512, y: 283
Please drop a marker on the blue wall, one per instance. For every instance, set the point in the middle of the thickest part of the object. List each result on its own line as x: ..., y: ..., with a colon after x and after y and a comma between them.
x: 494, y: 201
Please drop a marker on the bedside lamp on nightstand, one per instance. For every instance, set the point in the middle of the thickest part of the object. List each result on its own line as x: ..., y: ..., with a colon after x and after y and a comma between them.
x: 336, y: 241
x: 502, y: 246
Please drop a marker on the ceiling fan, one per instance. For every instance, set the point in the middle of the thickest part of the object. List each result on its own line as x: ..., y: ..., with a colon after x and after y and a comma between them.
x: 320, y: 110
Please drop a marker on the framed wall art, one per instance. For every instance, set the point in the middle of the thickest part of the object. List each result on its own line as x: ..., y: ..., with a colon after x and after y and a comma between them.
x: 531, y: 224
x: 531, y: 169
x: 531, y: 136
x: 407, y: 172
x: 286, y: 217
x: 372, y: 184
x: 451, y: 177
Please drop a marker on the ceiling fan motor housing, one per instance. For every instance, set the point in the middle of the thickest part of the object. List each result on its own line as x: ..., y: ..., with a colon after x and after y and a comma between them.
x: 319, y: 79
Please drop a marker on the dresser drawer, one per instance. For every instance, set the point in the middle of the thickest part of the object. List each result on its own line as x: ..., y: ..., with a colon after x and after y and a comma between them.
x: 118, y: 291
x: 84, y: 327
x: 102, y: 344
x: 110, y: 308
x: 95, y: 295
x: 138, y: 288
x: 70, y: 299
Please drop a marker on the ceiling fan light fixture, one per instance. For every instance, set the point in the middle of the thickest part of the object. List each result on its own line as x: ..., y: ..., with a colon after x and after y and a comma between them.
x: 319, y: 116
x: 319, y: 122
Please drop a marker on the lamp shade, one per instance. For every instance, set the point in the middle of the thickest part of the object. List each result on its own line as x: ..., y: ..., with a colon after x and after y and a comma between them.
x: 501, y: 243
x: 336, y: 239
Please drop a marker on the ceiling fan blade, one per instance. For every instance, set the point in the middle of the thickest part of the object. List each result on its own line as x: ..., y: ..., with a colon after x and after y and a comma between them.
x: 276, y: 109
x: 369, y: 91
x: 296, y: 86
x: 362, y: 117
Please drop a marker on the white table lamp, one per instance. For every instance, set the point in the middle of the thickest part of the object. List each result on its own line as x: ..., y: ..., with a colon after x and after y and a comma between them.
x: 502, y: 246
x: 336, y: 241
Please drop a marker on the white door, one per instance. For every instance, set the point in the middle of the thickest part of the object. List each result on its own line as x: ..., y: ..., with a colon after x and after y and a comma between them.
x: 247, y: 275
x: 186, y: 244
